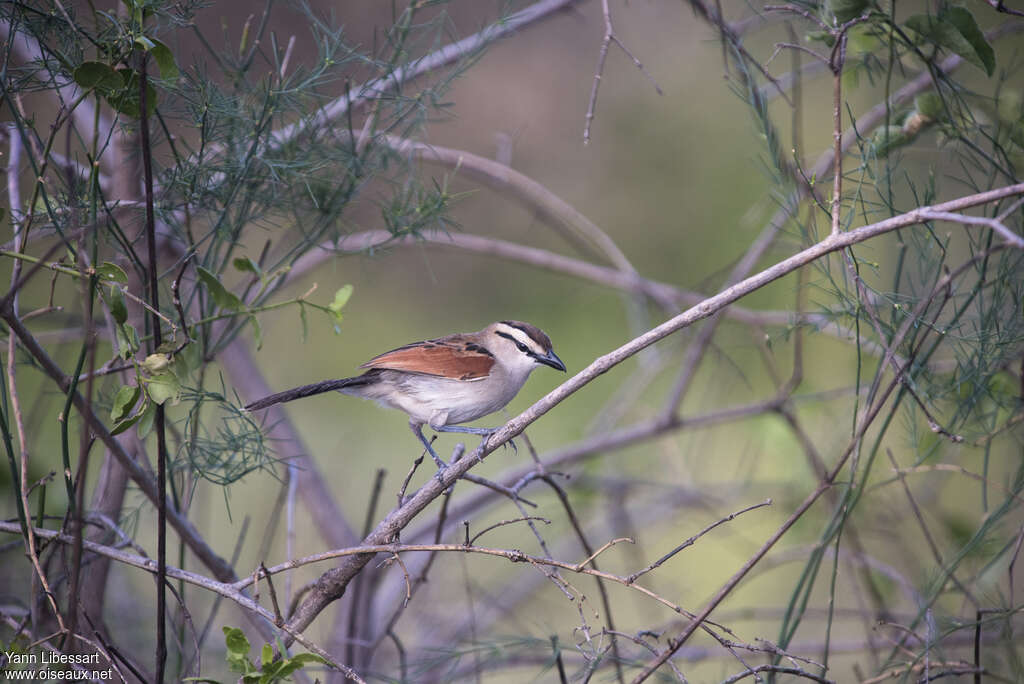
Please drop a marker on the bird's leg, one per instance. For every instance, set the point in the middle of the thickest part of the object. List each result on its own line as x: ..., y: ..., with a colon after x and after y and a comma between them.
x: 417, y: 429
x: 483, y: 432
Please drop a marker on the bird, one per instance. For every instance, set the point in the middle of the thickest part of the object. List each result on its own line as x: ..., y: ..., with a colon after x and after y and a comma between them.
x: 446, y: 381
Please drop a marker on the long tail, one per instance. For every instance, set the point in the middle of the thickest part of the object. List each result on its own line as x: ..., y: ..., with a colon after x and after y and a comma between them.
x: 305, y: 391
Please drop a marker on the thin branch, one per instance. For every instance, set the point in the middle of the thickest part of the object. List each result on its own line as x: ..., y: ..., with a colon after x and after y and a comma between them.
x: 502, y: 523
x: 994, y: 223
x: 333, y: 582
x: 692, y: 540
x: 606, y: 41
x: 452, y: 52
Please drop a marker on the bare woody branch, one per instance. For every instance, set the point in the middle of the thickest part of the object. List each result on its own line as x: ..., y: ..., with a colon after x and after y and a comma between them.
x: 332, y: 583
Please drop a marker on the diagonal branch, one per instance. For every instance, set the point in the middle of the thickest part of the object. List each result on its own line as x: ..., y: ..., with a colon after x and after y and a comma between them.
x: 332, y: 584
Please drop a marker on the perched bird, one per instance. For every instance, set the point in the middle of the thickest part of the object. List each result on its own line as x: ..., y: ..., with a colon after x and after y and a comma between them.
x: 447, y: 381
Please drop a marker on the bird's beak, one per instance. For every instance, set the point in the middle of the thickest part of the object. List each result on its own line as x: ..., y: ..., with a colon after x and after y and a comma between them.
x: 551, y: 359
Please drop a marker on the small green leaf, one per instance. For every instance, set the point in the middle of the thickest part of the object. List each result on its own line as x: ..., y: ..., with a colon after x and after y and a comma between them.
x: 144, y: 43
x: 124, y: 400
x: 221, y: 297
x: 266, y: 654
x: 257, y: 332
x: 948, y: 31
x: 163, y: 387
x: 846, y: 10
x: 111, y: 272
x: 125, y: 423
x: 97, y: 75
x: 146, y: 418
x: 118, y: 309
x: 964, y: 21
x: 127, y: 340
x: 247, y: 265
x: 188, y: 359
x: 156, y: 363
x: 340, y: 299
x: 126, y: 98
x: 235, y: 640
x: 164, y: 60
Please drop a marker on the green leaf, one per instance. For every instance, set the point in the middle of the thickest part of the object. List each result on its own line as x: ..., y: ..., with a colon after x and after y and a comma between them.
x: 238, y: 650
x: 964, y: 21
x: 187, y: 359
x: 340, y: 299
x: 97, y: 75
x: 164, y: 60
x: 124, y: 400
x: 127, y: 340
x: 144, y: 43
x: 266, y: 654
x: 296, y: 662
x: 257, y: 332
x: 235, y: 640
x: 146, y: 418
x: 163, y: 387
x: 247, y: 265
x: 126, y: 423
x: 118, y: 309
x: 156, y: 363
x: 111, y: 272
x: 126, y: 98
x: 221, y: 297
x: 846, y: 10
x: 947, y: 31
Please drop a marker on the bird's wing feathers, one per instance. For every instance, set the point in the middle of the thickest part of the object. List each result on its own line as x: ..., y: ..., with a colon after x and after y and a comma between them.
x: 450, y: 357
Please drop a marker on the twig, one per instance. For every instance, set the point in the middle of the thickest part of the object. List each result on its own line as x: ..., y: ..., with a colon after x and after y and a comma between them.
x: 689, y: 542
x: 224, y: 589
x: 866, y: 419
x: 606, y: 41
x: 589, y: 559
x: 797, y: 671
x: 502, y: 523
x: 278, y: 619
x: 446, y: 55
x: 994, y: 223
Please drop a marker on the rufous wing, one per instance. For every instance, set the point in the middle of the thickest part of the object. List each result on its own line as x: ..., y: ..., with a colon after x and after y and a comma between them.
x: 454, y: 359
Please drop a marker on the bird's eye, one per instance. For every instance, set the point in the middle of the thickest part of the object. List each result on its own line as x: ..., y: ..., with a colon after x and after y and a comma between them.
x: 521, y: 347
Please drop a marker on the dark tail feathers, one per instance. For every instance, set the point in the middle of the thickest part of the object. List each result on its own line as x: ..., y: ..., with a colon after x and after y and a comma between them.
x: 305, y: 391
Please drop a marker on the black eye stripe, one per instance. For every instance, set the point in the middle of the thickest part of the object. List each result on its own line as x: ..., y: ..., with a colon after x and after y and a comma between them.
x: 519, y: 345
